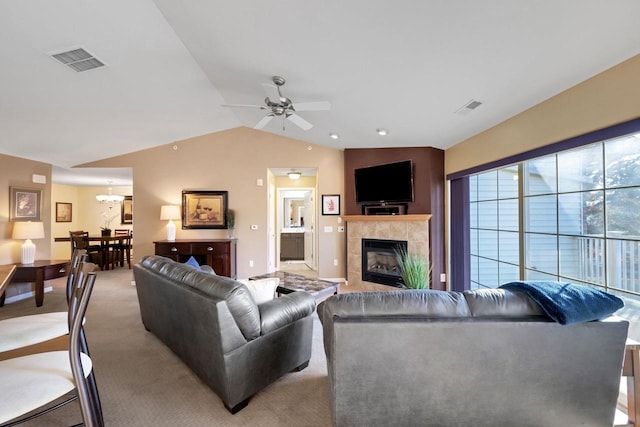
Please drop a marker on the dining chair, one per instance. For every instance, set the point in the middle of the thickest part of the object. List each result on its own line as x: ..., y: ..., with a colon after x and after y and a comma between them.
x: 122, y: 248
x: 80, y: 240
x: 36, y: 381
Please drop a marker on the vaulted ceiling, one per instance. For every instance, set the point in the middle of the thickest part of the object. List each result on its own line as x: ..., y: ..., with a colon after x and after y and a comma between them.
x: 409, y: 66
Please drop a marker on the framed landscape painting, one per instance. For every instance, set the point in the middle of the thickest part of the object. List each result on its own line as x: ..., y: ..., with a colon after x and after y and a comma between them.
x: 25, y: 204
x: 63, y: 212
x: 204, y: 209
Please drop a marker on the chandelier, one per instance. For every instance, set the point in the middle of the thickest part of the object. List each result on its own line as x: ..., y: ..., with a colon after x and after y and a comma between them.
x: 109, y: 198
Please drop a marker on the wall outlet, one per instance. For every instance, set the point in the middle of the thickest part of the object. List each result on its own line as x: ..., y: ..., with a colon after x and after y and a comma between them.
x: 251, y: 263
x: 259, y: 182
x: 335, y: 262
x: 443, y: 277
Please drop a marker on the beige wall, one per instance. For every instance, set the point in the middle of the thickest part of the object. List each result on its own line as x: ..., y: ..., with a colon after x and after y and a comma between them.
x: 18, y: 172
x: 86, y: 213
x: 606, y: 99
x: 232, y: 160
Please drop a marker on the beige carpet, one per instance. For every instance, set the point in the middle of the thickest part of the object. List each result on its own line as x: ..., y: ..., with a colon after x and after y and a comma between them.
x: 142, y: 383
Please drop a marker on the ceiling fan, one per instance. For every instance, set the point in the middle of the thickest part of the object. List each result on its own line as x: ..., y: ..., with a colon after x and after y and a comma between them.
x: 277, y: 105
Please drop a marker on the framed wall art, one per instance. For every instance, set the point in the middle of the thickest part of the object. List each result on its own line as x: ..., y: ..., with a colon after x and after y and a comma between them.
x: 330, y: 204
x: 126, y: 210
x: 204, y: 209
x: 25, y: 204
x: 63, y: 212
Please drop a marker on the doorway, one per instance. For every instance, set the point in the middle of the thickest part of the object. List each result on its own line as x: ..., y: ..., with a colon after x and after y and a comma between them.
x: 295, y: 222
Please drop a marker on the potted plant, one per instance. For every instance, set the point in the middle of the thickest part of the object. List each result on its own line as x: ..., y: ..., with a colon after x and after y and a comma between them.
x: 414, y: 269
x: 106, y: 230
x: 231, y: 221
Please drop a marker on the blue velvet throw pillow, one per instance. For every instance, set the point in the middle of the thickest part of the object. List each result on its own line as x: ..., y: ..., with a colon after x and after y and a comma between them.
x: 568, y: 303
x: 193, y: 263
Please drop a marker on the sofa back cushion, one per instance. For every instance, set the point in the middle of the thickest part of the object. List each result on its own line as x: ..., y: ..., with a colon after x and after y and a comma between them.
x: 501, y: 303
x: 237, y: 297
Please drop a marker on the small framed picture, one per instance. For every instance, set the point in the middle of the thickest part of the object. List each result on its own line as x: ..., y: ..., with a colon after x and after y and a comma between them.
x: 330, y: 204
x: 126, y: 210
x: 204, y: 209
x: 63, y: 212
x: 25, y: 204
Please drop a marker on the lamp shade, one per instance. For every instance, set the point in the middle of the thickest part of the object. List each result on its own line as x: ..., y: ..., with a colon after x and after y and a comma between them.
x: 170, y: 212
x: 28, y: 230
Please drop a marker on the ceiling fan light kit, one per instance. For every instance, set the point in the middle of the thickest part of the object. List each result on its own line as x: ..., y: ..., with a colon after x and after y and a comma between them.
x: 277, y: 105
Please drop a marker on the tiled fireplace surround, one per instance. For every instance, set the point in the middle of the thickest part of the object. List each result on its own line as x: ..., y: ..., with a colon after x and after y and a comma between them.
x: 412, y: 228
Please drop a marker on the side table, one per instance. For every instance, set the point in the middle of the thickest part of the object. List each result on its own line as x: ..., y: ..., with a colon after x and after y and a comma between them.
x: 37, y: 273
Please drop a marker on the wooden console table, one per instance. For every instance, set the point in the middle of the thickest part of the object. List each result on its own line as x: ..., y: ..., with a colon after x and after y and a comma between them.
x: 37, y: 273
x: 220, y: 254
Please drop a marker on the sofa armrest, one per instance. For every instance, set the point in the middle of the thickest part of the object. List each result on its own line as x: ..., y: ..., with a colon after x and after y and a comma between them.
x: 284, y: 310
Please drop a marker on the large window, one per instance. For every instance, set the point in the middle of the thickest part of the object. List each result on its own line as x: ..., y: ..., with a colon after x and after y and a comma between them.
x: 572, y: 216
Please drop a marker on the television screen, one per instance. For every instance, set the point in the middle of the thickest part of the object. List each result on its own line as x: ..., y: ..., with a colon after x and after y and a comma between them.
x: 388, y: 183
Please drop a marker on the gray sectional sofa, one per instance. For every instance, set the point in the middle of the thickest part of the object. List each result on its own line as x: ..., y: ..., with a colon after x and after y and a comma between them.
x: 479, y: 358
x: 213, y: 324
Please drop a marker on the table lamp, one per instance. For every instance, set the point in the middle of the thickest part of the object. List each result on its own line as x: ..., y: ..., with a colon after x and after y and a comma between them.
x: 28, y: 230
x: 170, y: 212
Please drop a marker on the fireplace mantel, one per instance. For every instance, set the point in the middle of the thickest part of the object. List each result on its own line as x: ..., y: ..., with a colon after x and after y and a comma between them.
x: 412, y: 217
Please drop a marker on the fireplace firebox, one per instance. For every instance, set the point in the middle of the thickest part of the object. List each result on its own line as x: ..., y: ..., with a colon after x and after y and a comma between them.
x: 379, y: 261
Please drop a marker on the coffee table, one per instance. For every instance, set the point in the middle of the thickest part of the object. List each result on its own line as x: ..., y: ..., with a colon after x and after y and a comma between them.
x: 290, y: 282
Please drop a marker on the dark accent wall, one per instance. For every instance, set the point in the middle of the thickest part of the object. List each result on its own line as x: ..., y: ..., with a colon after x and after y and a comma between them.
x: 428, y: 187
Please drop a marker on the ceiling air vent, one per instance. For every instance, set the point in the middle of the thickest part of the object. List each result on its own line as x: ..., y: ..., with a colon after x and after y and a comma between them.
x: 468, y: 107
x: 78, y: 60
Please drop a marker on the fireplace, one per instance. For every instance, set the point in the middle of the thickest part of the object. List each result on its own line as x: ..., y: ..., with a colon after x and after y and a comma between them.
x: 379, y: 263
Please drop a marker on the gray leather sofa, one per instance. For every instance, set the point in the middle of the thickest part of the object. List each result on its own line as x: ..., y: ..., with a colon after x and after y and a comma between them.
x: 479, y: 358
x: 213, y: 324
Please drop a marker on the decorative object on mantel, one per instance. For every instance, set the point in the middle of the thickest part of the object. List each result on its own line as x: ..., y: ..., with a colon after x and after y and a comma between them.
x: 25, y: 204
x: 330, y: 204
x: 28, y: 230
x: 204, y: 209
x: 231, y: 222
x: 170, y: 212
x: 414, y: 269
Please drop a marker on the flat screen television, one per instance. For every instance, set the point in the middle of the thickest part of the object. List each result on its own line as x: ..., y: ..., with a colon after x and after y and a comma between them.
x: 387, y: 183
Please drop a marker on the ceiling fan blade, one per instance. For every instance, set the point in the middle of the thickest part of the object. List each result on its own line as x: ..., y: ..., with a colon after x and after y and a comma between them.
x: 262, y: 123
x: 273, y: 93
x: 299, y: 121
x: 262, y: 107
x: 312, y: 106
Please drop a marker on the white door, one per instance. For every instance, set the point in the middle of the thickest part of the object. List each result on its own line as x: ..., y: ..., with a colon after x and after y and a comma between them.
x: 271, y: 228
x: 309, y: 227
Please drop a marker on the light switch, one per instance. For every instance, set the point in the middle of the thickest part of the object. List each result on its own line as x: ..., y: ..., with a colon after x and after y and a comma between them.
x: 328, y: 229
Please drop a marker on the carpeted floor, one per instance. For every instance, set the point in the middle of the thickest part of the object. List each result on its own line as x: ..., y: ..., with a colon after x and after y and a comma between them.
x: 142, y: 383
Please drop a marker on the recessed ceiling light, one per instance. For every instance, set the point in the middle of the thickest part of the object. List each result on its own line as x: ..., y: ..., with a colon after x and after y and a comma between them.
x: 382, y: 132
x: 334, y: 136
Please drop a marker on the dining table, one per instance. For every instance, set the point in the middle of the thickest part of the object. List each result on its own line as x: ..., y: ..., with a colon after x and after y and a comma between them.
x: 104, y: 241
